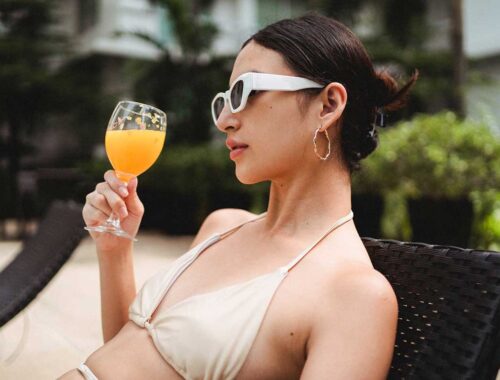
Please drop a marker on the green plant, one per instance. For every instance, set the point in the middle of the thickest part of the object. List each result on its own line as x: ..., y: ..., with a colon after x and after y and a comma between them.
x: 436, y: 156
x: 439, y: 156
x: 486, y: 225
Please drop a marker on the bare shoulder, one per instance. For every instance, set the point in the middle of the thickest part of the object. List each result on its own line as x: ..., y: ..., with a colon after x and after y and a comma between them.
x: 357, y: 318
x: 356, y: 286
x: 221, y: 220
x: 357, y: 279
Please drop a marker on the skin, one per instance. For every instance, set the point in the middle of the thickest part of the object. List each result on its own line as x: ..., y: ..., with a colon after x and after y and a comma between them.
x: 351, y: 332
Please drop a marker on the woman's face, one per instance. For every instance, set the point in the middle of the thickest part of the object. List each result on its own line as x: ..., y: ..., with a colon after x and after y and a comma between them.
x: 278, y: 133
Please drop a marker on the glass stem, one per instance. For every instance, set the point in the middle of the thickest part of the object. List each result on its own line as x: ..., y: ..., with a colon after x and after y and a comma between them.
x: 113, y: 220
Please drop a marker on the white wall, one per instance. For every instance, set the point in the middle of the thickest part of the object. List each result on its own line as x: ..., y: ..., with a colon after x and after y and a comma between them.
x: 481, y: 27
x: 482, y: 41
x: 125, y: 16
x: 236, y: 21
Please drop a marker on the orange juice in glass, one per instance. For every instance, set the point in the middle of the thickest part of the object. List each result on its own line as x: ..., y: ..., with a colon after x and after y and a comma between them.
x: 133, y: 151
x: 134, y: 139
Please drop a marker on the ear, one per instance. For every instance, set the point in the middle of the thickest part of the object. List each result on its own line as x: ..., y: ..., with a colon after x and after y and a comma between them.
x: 334, y: 99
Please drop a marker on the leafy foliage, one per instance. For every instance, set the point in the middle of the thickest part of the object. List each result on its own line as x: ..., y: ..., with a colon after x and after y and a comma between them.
x: 184, y: 86
x: 440, y: 156
x: 25, y: 48
x: 185, y: 91
x: 26, y: 44
x: 193, y: 31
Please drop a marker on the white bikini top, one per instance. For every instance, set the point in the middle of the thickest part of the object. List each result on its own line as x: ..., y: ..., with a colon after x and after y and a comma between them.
x: 208, y: 336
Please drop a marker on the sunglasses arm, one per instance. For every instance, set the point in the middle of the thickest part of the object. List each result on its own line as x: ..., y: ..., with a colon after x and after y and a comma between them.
x: 281, y: 82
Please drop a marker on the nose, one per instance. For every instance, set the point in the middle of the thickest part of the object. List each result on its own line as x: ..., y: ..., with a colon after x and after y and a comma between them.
x: 227, y: 120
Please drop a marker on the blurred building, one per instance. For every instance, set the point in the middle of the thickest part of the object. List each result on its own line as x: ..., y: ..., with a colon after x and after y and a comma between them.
x: 104, y: 26
x: 107, y: 27
x: 481, y: 42
x: 482, y: 47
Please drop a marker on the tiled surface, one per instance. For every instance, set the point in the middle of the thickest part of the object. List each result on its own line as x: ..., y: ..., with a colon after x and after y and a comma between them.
x: 61, y: 327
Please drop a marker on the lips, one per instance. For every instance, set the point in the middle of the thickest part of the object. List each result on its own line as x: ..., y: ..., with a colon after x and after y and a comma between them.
x: 236, y: 147
x: 233, y: 144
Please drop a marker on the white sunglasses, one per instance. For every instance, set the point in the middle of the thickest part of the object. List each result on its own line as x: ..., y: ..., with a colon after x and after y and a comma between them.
x: 238, y: 93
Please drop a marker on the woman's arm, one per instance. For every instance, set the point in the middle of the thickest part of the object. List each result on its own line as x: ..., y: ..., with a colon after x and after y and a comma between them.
x: 355, y: 329
x: 117, y: 282
x: 115, y: 254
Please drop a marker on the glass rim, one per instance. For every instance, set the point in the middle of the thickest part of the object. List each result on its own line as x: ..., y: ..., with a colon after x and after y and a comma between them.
x: 141, y: 104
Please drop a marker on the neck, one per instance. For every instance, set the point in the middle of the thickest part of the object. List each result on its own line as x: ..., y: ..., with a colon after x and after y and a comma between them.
x: 309, y: 202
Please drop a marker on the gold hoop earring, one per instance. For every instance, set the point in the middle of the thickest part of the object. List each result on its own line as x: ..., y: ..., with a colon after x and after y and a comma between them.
x: 316, y: 147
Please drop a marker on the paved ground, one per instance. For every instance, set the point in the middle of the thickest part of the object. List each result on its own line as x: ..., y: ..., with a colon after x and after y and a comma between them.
x: 61, y: 327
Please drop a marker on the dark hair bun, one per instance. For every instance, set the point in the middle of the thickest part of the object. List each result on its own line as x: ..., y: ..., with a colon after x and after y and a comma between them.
x: 359, y: 139
x: 387, y: 92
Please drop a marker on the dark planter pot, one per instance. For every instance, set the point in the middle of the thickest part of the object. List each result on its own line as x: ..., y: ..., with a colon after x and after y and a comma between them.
x: 368, y: 209
x: 441, y: 221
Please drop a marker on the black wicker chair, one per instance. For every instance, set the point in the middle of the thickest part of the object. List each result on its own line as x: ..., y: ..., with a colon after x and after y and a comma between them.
x: 449, y: 309
x: 40, y: 258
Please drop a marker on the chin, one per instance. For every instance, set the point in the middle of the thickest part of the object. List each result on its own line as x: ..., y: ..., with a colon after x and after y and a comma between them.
x: 249, y: 177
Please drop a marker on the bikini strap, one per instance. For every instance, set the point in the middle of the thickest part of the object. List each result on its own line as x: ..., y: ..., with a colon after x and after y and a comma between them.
x: 338, y: 223
x: 230, y: 231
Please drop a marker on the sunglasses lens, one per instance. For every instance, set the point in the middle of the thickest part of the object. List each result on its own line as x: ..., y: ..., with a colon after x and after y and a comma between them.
x: 218, y: 106
x: 236, y: 94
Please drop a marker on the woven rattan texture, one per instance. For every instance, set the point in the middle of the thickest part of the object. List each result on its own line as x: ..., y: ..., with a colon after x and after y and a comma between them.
x: 40, y: 258
x: 449, y: 313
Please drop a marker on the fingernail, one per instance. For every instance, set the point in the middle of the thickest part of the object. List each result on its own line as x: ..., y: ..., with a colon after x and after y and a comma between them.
x: 123, y: 191
x: 133, y: 183
x: 123, y: 212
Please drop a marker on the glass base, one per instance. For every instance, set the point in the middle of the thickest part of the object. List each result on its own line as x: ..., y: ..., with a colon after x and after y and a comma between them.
x: 110, y: 228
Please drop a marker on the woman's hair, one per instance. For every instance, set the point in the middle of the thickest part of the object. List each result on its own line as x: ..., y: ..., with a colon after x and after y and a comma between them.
x: 324, y: 50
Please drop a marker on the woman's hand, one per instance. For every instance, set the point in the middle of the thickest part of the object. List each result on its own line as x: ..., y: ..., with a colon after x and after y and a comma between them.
x: 113, y: 195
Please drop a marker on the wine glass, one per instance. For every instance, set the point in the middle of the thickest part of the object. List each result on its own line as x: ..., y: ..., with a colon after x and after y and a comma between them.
x: 134, y: 139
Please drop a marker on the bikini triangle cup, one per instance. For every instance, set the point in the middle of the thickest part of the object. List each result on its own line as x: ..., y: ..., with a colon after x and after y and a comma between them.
x: 208, y: 336
x: 214, y: 238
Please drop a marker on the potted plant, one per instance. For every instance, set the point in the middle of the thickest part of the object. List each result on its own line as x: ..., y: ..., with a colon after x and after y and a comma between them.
x: 437, y: 161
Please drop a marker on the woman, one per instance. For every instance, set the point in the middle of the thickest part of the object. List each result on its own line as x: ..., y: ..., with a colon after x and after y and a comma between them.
x: 287, y: 294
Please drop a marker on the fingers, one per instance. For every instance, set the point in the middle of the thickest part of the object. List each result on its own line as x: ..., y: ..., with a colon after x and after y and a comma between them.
x: 127, y: 191
x: 99, y: 202
x: 114, y: 196
x: 93, y: 216
x: 117, y: 185
x: 113, y: 200
x: 132, y: 185
x: 134, y: 204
